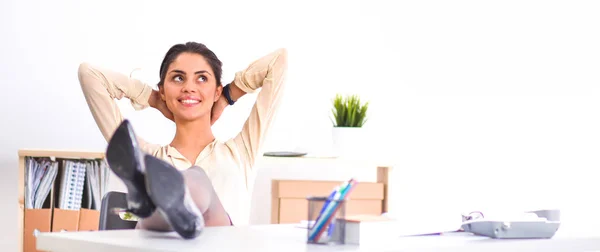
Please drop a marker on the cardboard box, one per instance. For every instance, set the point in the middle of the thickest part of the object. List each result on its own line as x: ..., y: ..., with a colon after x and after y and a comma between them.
x: 36, y: 220
x: 290, y: 205
x: 67, y: 220
x: 89, y: 220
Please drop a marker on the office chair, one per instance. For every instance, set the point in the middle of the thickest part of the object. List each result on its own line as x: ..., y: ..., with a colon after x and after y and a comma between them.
x: 110, y: 221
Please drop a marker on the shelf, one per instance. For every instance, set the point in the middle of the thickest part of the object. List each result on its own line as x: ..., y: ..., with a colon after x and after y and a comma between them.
x: 61, y: 154
x: 51, y: 218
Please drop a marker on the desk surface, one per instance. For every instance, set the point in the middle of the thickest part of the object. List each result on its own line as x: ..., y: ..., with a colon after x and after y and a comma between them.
x: 289, y: 238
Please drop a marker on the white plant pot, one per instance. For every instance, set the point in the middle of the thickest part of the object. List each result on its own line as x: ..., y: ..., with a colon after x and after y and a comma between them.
x: 347, y: 141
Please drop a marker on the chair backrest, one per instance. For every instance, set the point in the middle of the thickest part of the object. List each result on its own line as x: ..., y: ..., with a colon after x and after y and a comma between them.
x: 110, y: 221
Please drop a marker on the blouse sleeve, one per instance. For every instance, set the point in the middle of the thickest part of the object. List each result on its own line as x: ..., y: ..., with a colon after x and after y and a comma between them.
x: 268, y: 74
x: 101, y: 87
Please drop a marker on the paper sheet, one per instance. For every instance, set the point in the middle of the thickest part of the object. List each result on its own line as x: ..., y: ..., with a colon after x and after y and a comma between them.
x: 40, y: 173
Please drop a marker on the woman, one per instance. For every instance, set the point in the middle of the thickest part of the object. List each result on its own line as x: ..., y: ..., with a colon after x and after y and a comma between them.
x: 195, y: 180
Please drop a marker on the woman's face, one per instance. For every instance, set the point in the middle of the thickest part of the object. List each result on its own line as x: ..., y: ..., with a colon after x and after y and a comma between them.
x: 190, y: 88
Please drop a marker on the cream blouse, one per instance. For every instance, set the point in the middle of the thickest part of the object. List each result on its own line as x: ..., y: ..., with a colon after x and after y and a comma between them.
x: 229, y: 164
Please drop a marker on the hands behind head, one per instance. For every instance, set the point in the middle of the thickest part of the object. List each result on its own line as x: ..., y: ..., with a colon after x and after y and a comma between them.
x: 157, y: 103
x: 218, y: 108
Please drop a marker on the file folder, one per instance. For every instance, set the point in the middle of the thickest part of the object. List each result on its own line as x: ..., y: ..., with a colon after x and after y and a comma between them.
x: 65, y: 220
x: 36, y: 220
x: 89, y: 220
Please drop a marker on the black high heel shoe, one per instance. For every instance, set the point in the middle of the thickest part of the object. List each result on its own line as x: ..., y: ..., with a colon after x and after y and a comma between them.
x: 125, y: 159
x: 167, y: 189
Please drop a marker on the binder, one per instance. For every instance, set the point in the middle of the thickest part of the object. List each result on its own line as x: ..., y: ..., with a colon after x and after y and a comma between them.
x: 39, y: 178
x: 80, y: 185
x: 89, y: 216
x: 71, y: 185
x: 40, y: 174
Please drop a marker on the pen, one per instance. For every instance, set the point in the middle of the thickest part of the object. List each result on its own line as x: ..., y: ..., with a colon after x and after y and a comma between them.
x: 330, y: 210
x: 336, y: 190
x: 329, y: 198
x: 334, y: 196
x: 320, y: 223
x: 345, y: 193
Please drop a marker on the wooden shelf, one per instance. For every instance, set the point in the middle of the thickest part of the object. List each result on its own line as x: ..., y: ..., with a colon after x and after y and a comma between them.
x: 77, y: 154
x: 43, y: 153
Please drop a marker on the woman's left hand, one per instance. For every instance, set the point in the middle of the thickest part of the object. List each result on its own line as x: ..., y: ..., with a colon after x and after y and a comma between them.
x: 218, y: 108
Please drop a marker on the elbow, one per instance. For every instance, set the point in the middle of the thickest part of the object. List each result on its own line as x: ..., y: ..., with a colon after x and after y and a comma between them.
x: 283, y: 55
x: 84, y: 68
x: 86, y: 74
x: 282, y: 59
x: 83, y: 71
x: 282, y: 52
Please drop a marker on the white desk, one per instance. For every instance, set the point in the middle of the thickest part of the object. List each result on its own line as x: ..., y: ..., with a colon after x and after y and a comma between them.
x: 289, y: 238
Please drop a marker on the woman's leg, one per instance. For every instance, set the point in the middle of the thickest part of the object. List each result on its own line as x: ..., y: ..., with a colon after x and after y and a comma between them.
x: 204, y: 196
x: 165, y: 198
x: 198, y: 198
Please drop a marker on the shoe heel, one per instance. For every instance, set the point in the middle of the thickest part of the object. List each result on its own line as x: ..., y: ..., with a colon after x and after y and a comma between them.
x: 167, y: 189
x: 124, y: 159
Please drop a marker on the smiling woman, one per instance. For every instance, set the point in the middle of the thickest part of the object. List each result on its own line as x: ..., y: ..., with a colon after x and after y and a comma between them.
x: 187, y: 68
x: 211, y: 182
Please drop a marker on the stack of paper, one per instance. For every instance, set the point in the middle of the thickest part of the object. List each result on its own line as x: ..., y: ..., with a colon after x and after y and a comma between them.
x: 91, y: 175
x: 97, y: 182
x: 361, y: 229
x: 79, y: 174
x: 71, y: 187
x: 76, y: 177
x: 374, y: 229
x: 39, y: 177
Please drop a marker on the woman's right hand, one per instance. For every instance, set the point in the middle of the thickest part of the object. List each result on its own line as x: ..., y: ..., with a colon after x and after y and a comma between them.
x: 156, y: 102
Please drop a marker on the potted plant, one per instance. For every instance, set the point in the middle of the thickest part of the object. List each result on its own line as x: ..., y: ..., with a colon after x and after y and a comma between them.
x: 349, y: 115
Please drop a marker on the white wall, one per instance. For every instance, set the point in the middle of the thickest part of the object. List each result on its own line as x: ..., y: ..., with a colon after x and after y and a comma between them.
x: 496, y: 105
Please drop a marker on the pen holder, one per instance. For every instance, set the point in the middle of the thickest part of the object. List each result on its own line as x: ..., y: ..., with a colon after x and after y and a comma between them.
x: 324, y: 223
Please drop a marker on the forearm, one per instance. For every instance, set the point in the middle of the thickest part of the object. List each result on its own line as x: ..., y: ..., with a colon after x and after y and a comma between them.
x: 235, y: 92
x: 115, y: 84
x: 267, y: 73
x: 100, y: 87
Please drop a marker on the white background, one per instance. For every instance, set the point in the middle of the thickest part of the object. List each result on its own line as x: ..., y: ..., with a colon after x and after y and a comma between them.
x: 494, y: 105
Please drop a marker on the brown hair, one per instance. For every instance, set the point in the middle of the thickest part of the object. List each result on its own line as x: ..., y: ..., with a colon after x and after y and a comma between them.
x: 191, y: 47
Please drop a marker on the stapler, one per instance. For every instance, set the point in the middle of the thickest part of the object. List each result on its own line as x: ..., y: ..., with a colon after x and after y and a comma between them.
x: 544, y: 225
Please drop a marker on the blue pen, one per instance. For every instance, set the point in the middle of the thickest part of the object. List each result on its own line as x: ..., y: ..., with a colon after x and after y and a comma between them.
x: 332, y: 224
x: 343, y: 195
x: 320, y: 222
x: 335, y: 194
x: 330, y: 229
x: 329, y: 198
